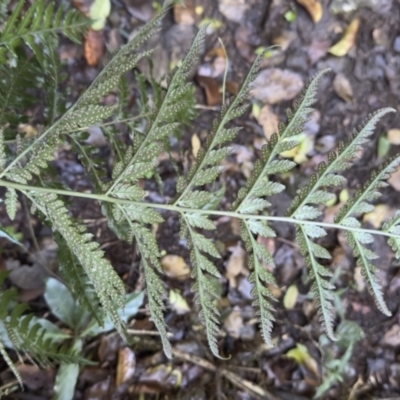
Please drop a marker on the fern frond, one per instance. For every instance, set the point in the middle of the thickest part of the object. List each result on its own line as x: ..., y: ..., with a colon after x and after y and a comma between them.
x: 250, y: 200
x: 203, y: 288
x: 39, y: 21
x: 327, y: 175
x: 360, y: 204
x: 206, y: 170
x: 86, y: 111
x: 108, y: 286
x: 259, y: 276
x: 77, y: 281
x: 150, y: 254
x: 321, y: 288
x: 13, y: 89
x: 11, y: 202
x: 27, y: 336
x: 258, y: 181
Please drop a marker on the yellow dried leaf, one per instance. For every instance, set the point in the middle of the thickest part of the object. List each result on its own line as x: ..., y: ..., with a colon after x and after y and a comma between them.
x: 195, y: 145
x: 268, y: 120
x: 313, y: 7
x: 236, y: 264
x: 394, y: 180
x: 301, y: 355
x: 344, y: 195
x: 393, y: 136
x: 175, y: 266
x: 178, y: 303
x: 299, y: 153
x: 343, y: 46
x: 98, y: 12
x: 126, y: 365
x: 379, y: 214
x: 290, y: 299
x: 234, y: 323
x: 29, y: 130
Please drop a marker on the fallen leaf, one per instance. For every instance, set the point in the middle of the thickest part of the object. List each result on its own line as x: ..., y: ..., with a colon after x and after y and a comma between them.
x: 35, y: 378
x: 196, y: 145
x: 290, y: 299
x: 394, y: 180
x: 175, y: 266
x: 380, y: 213
x: 317, y: 50
x: 343, y: 46
x: 236, y: 264
x: 343, y: 88
x: 299, y: 153
x: 359, y: 279
x: 96, y: 137
x: 268, y: 120
x: 140, y: 9
x: 100, y: 390
x: 94, y: 47
x: 98, y: 13
x: 301, y: 355
x: 211, y: 88
x: 392, y: 336
x: 199, y: 10
x: 232, y: 87
x: 234, y: 323
x: 313, y: 7
x: 290, y: 16
x: 393, y: 136
x: 284, y: 40
x: 383, y: 146
x: 29, y: 130
x: 233, y: 10
x: 178, y: 303
x: 274, y: 85
x: 185, y: 15
x: 380, y: 37
x: 126, y: 365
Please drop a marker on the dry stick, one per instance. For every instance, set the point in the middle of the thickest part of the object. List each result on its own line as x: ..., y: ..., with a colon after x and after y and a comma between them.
x: 230, y: 376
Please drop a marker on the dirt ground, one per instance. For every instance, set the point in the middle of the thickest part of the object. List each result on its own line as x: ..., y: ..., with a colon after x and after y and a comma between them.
x: 364, y: 77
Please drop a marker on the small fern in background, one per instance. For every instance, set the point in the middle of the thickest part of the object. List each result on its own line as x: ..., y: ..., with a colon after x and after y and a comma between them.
x: 89, y: 276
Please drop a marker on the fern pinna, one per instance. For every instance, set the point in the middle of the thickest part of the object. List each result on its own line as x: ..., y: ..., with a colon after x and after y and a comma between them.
x: 88, y: 274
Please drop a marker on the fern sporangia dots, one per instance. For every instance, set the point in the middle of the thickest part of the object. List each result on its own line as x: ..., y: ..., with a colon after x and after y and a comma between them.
x: 89, y: 276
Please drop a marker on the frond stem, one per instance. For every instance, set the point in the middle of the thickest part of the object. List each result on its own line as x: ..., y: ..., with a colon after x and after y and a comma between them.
x: 41, y: 31
x: 178, y: 209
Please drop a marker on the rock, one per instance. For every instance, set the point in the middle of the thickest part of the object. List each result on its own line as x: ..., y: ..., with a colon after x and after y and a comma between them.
x: 275, y: 85
x: 396, y: 44
x: 233, y: 10
x: 392, y: 336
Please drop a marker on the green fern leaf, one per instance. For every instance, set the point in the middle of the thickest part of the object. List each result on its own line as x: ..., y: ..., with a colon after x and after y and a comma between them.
x: 77, y: 281
x: 393, y: 226
x: 39, y: 21
x: 109, y: 287
x: 259, y: 275
x: 11, y: 202
x: 359, y: 205
x: 321, y: 288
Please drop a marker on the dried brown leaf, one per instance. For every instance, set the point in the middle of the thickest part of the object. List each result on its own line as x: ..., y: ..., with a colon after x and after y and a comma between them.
x: 343, y: 46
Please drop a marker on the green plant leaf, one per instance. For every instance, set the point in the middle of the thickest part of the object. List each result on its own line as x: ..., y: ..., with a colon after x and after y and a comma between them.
x: 133, y: 301
x: 67, y: 377
x: 62, y: 304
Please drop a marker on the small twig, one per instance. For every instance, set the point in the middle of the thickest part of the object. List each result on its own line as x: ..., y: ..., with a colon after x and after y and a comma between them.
x: 141, y: 332
x: 10, y: 385
x: 225, y: 72
x: 236, y: 380
x: 204, y: 107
